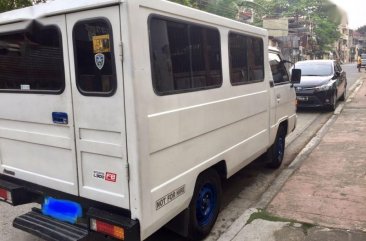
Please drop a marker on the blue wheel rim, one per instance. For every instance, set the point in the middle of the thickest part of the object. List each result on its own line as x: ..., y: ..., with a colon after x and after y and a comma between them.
x: 206, y: 204
x: 280, y: 148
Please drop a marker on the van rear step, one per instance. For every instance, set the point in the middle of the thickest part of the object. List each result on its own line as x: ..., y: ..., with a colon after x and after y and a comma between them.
x: 49, y: 228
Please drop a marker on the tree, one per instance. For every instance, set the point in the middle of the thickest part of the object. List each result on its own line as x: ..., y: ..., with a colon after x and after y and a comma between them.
x: 225, y: 8
x: 7, y: 5
x: 321, y: 16
x: 190, y: 3
x: 362, y: 30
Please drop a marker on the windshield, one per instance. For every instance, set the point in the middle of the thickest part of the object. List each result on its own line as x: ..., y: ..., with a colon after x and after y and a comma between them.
x: 315, y: 69
x: 363, y: 56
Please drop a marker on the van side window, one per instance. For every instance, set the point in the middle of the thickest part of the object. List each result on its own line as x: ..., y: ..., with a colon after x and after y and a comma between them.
x: 184, y: 56
x: 31, y: 61
x: 246, y: 59
x: 94, y: 58
x: 278, y: 69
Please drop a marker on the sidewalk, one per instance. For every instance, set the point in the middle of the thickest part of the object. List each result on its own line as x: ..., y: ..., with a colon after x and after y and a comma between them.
x: 325, y: 198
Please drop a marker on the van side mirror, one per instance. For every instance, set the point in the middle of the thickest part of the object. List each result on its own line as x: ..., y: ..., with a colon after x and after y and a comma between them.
x: 295, y: 76
x: 336, y: 75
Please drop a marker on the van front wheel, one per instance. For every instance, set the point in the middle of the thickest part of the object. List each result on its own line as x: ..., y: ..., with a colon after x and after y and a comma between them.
x: 276, y: 152
x: 205, y: 204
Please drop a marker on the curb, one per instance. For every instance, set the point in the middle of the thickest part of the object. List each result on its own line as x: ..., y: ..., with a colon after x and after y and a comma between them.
x: 285, y: 174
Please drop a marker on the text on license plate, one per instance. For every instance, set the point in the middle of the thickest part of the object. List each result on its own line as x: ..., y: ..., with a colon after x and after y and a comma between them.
x: 303, y: 98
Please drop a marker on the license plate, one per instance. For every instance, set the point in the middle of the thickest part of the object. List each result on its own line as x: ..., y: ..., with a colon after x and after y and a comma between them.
x: 302, y: 98
x: 63, y: 210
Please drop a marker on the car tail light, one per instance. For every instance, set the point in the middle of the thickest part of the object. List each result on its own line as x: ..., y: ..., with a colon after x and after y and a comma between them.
x: 106, y: 228
x: 5, y: 195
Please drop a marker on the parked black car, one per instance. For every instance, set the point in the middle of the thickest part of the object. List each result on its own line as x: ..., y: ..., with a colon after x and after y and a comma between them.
x: 323, y: 82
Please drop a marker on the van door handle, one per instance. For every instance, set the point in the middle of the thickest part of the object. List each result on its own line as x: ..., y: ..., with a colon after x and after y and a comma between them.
x: 60, y: 118
x: 278, y: 98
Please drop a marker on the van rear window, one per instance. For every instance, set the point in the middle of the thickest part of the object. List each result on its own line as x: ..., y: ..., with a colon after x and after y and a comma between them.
x: 94, y: 59
x: 32, y: 60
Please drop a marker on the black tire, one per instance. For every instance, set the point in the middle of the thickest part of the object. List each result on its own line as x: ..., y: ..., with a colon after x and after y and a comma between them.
x: 276, y: 152
x: 333, y: 105
x: 205, y: 204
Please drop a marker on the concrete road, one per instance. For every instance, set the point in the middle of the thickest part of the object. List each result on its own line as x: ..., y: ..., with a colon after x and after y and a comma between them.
x: 240, y: 191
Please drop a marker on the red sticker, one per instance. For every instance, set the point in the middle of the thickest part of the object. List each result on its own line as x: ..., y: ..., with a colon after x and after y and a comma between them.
x: 111, y: 177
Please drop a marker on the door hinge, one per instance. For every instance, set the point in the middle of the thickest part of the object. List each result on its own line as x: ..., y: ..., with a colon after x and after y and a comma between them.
x: 121, y: 51
x: 128, y: 172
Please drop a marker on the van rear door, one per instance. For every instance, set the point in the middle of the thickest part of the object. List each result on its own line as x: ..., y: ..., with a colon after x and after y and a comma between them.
x: 97, y: 88
x: 36, y: 118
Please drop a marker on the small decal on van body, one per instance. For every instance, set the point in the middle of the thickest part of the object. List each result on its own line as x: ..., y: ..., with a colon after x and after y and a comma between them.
x: 161, y: 202
x: 107, y: 176
x: 99, y: 60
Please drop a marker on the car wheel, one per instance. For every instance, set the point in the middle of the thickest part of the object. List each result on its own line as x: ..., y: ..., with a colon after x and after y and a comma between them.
x: 276, y: 152
x: 333, y: 104
x: 205, y: 204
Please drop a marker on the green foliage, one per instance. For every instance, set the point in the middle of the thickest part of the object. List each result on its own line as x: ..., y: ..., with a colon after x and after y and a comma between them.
x: 322, y: 15
x: 183, y: 2
x: 7, y: 5
x: 362, y: 29
x: 225, y: 8
x: 326, y: 33
x: 264, y: 215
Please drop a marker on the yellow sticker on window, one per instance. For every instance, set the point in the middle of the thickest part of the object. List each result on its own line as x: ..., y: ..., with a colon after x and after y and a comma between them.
x: 101, y: 44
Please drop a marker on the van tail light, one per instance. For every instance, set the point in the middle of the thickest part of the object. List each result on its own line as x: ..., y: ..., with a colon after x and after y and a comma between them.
x: 5, y: 195
x: 106, y: 228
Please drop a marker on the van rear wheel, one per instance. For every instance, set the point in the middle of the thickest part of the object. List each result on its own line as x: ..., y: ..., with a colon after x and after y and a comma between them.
x: 205, y: 204
x: 276, y: 152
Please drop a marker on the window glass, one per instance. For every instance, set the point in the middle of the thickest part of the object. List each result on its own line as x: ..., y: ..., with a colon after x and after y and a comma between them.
x: 94, y: 60
x: 184, y: 57
x: 32, y: 60
x: 255, y: 59
x: 278, y: 69
x: 238, y: 59
x: 246, y: 59
x: 315, y: 69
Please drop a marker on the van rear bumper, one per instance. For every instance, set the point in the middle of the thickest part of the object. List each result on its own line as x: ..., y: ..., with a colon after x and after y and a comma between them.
x: 17, y: 192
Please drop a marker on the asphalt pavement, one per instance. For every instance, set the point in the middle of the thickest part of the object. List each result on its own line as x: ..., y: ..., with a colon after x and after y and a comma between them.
x: 321, y: 195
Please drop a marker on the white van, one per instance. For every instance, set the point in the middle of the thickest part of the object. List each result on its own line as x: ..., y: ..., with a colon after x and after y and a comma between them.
x: 119, y: 116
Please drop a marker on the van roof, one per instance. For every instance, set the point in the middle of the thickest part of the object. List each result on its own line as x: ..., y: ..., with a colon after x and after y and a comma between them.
x: 52, y: 8
x: 57, y: 7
